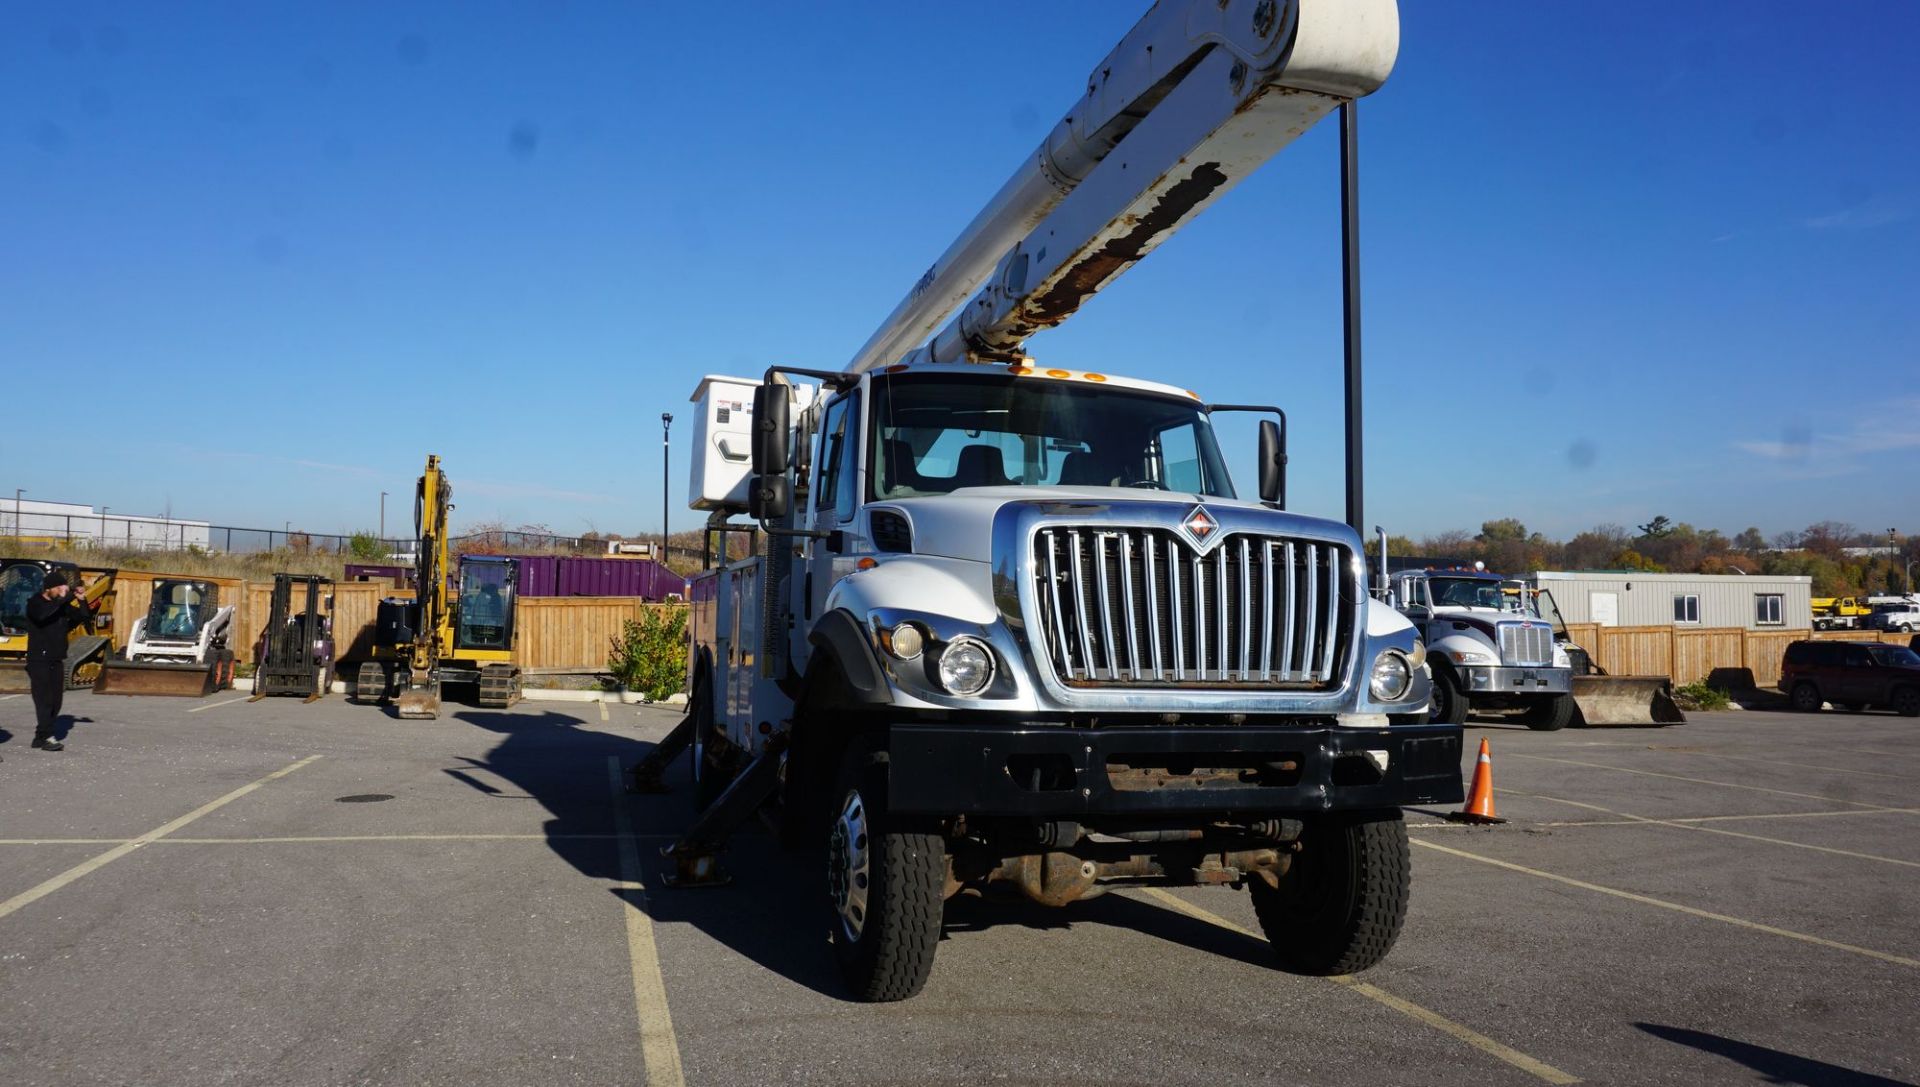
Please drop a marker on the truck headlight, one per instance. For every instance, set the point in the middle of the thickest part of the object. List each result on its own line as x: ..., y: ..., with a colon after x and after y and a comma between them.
x: 1473, y: 656
x: 965, y: 666
x: 1391, y: 676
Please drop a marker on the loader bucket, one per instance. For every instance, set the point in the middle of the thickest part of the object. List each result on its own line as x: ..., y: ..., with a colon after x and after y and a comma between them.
x: 179, y: 680
x: 1611, y: 701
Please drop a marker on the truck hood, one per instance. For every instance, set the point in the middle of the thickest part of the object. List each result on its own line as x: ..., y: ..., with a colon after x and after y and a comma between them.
x: 960, y: 525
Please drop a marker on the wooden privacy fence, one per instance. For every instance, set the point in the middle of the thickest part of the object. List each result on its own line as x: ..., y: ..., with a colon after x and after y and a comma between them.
x: 554, y: 634
x: 571, y: 633
x: 1692, y: 654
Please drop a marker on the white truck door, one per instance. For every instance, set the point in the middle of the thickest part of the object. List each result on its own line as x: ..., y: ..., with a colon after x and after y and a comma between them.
x: 835, y: 499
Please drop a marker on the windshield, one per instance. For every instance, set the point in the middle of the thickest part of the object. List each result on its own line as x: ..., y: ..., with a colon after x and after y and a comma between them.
x: 1465, y: 592
x: 180, y: 608
x: 486, y: 594
x: 18, y: 583
x: 938, y: 433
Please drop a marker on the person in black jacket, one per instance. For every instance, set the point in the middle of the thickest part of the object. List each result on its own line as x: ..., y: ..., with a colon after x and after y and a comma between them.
x: 50, y: 615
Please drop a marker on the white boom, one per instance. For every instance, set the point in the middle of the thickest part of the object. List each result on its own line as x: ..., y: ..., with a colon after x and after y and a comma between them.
x: 1197, y: 95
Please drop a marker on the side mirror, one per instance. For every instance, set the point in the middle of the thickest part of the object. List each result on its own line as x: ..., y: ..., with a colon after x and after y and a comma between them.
x: 1273, y: 463
x: 770, y: 430
x: 769, y: 497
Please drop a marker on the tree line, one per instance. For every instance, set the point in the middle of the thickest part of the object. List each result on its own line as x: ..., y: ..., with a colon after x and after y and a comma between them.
x: 1834, y: 554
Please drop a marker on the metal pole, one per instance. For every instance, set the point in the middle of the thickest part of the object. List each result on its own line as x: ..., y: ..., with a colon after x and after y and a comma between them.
x: 17, y: 492
x: 383, y: 518
x: 1350, y: 295
x: 666, y: 450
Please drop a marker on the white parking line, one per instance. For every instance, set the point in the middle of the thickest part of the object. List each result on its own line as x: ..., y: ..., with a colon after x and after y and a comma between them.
x: 1647, y: 900
x: 1703, y: 781
x: 217, y: 705
x: 603, y: 711
x: 42, y: 890
x: 1535, y: 1068
x: 1630, y: 819
x: 4, y: 697
x: 659, y: 1048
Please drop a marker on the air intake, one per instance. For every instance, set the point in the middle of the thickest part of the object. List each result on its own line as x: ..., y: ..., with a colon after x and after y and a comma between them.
x: 891, y: 531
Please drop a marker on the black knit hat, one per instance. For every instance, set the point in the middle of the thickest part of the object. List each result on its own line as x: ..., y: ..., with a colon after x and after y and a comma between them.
x: 54, y: 577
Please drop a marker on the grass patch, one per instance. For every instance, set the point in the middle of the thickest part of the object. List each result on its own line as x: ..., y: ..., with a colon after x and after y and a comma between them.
x: 1699, y: 696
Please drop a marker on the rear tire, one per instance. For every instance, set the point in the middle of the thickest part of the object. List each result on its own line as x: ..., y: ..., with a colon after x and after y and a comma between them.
x: 1906, y: 702
x: 1806, y: 698
x: 1447, y: 705
x: 1339, y: 908
x: 1550, y: 714
x: 884, y: 884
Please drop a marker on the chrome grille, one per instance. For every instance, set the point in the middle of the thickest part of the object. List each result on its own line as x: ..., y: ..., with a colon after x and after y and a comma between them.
x: 1141, y: 606
x: 1526, y: 644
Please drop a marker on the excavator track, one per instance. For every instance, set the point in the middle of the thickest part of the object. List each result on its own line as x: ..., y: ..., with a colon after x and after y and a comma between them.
x: 499, y: 686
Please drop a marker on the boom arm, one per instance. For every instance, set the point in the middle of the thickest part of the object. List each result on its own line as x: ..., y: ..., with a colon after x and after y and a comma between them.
x: 1195, y: 97
x: 432, y: 500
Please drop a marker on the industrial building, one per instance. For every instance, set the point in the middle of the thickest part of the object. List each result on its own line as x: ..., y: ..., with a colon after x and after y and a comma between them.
x: 1630, y: 598
x: 73, y: 521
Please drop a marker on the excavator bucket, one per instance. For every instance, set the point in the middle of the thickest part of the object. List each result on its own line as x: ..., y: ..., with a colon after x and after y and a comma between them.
x: 1611, y: 701
x: 178, y: 680
x: 419, y: 701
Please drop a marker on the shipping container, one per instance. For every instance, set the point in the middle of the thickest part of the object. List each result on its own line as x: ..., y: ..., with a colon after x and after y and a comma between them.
x: 618, y: 577
x: 537, y: 575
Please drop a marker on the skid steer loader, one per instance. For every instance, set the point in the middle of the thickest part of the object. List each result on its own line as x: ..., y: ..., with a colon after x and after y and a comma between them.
x: 178, y: 648
x: 20, y: 579
x: 294, y: 654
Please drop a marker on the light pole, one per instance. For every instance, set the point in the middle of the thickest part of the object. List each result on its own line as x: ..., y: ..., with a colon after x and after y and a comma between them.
x: 103, y: 523
x: 383, y: 518
x: 666, y: 449
x: 17, y: 492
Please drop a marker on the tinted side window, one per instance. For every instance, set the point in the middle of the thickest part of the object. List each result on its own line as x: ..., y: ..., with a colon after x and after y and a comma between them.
x: 1800, y: 654
x: 833, y: 432
x: 1826, y: 656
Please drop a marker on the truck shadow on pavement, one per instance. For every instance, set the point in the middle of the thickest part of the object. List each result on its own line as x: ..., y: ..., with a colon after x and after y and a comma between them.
x: 1776, y: 1066
x: 774, y: 912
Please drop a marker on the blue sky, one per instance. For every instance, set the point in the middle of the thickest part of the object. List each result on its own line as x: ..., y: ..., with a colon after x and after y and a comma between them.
x: 1620, y: 260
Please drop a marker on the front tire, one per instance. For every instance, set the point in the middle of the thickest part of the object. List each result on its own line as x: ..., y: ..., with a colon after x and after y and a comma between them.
x: 1447, y: 704
x: 1806, y: 698
x: 1549, y: 714
x: 1339, y: 908
x: 884, y: 884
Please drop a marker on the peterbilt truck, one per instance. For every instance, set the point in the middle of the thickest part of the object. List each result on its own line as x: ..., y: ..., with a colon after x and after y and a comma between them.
x: 1014, y: 624
x: 1487, y: 647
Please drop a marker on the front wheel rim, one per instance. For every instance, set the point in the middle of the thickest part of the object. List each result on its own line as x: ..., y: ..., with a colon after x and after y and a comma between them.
x: 849, y: 865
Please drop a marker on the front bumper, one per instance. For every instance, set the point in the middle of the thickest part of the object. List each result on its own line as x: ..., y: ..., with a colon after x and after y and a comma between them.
x: 1059, y: 771
x: 1519, y: 680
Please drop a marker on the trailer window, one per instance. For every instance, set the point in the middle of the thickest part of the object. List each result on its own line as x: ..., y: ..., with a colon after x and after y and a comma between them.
x: 1686, y: 608
x: 936, y: 433
x: 1769, y: 609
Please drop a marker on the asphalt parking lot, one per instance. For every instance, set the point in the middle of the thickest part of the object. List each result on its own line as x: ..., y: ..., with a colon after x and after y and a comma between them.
x: 210, y: 892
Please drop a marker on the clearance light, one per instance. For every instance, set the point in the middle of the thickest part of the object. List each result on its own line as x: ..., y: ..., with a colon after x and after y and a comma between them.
x: 1059, y: 373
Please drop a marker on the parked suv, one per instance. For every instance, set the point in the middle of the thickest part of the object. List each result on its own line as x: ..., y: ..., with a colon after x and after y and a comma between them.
x: 1854, y: 675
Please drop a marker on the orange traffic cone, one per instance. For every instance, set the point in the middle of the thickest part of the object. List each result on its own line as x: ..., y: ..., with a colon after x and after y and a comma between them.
x: 1479, y: 807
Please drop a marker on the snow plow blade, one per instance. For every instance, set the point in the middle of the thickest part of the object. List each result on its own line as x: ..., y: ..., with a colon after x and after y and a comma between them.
x: 1612, y: 701
x: 175, y: 680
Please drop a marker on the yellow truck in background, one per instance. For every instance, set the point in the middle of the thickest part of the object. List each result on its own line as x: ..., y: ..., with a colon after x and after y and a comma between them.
x: 1839, y: 612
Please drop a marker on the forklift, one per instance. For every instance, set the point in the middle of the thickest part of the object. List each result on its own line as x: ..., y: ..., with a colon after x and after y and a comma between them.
x: 295, y: 652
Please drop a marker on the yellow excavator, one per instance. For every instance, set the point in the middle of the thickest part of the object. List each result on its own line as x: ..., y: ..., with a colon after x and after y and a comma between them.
x: 87, y: 648
x: 439, y: 637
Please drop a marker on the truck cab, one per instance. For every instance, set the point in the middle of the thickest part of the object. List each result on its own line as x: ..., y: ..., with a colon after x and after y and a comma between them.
x: 1028, y: 611
x: 1487, y: 646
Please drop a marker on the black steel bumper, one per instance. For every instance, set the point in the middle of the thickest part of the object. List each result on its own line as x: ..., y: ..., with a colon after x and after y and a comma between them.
x: 1058, y: 771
